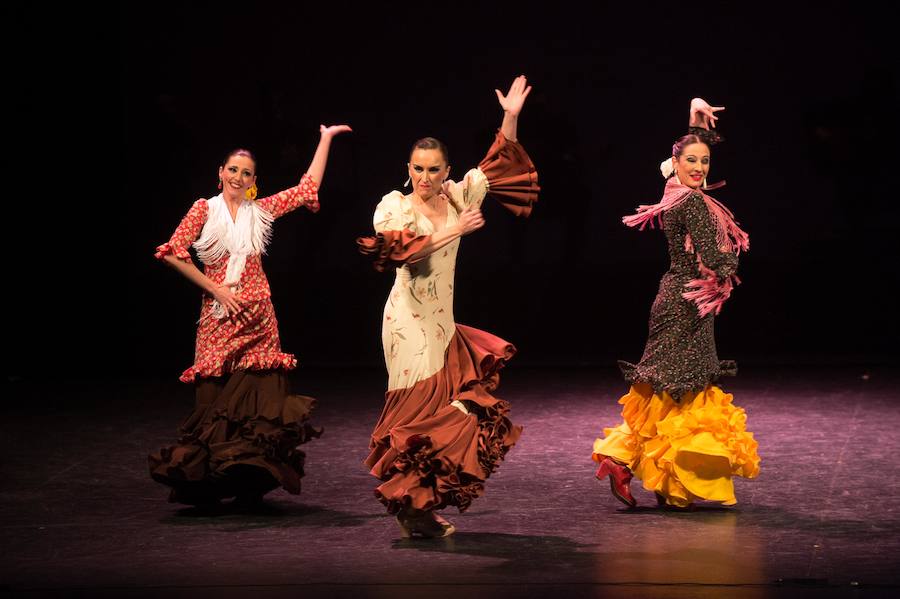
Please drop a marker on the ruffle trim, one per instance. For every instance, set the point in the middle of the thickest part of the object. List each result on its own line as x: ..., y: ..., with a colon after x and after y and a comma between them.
x: 248, y: 361
x: 167, y: 249
x: 437, y: 455
x: 512, y: 177
x: 685, y: 452
x: 425, y: 467
x: 632, y: 374
x: 391, y: 249
x: 246, y: 440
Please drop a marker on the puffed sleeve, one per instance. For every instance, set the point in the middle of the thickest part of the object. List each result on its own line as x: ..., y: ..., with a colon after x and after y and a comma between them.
x: 186, y: 233
x: 305, y: 193
x: 396, y: 239
x: 506, y: 174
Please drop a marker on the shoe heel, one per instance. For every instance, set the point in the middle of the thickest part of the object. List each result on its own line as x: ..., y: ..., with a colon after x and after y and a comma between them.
x: 603, y: 471
x: 619, y: 480
x: 405, y: 530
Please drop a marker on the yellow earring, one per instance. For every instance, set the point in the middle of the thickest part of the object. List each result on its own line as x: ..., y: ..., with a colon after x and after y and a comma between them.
x: 250, y: 194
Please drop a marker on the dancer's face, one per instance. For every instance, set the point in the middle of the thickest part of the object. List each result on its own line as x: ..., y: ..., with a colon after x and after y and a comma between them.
x: 693, y: 164
x: 237, y: 175
x: 427, y: 171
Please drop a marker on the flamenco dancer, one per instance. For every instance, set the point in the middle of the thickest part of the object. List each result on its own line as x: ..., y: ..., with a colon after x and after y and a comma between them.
x: 242, y: 439
x: 441, y: 433
x: 681, y: 434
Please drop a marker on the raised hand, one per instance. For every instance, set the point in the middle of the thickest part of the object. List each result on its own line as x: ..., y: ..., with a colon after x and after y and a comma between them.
x: 316, y: 168
x: 514, y: 99
x: 333, y: 130
x: 703, y: 115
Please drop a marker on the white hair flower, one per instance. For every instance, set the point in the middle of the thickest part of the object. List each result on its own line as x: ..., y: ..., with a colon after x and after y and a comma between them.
x: 666, y: 168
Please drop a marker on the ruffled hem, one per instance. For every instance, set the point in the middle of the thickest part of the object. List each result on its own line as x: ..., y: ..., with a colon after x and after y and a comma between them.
x: 167, y: 249
x: 512, y: 177
x: 432, y: 454
x: 248, y: 361
x: 685, y: 452
x: 242, y: 438
x: 635, y: 375
x: 391, y: 249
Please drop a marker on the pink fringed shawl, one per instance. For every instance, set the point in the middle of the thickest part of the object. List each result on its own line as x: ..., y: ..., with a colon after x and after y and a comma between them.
x: 707, y: 292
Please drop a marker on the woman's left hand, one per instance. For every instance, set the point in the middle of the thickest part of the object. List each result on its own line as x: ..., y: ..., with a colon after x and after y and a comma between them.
x: 703, y: 115
x: 514, y: 99
x: 333, y: 130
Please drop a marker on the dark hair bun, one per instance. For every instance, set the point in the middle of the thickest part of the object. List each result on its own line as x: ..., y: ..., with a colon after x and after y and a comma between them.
x: 708, y: 136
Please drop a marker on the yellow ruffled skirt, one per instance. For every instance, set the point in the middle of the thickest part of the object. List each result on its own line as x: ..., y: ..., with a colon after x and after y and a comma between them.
x: 686, y: 451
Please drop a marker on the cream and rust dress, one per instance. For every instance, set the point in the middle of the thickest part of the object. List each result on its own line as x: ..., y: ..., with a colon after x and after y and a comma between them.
x: 441, y: 433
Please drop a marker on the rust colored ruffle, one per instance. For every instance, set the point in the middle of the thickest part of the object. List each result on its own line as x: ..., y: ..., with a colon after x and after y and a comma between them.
x: 429, y: 453
x: 243, y: 437
x: 391, y: 249
x: 512, y: 178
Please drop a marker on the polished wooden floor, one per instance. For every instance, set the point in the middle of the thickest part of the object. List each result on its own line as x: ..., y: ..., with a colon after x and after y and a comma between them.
x: 81, y: 517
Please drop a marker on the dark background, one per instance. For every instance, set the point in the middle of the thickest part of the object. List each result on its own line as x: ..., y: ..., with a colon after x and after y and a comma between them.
x: 119, y: 119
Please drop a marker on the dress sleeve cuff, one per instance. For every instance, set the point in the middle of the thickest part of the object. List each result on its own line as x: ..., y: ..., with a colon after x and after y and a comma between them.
x: 512, y: 178
x: 710, y: 293
x: 391, y: 248
x: 167, y: 249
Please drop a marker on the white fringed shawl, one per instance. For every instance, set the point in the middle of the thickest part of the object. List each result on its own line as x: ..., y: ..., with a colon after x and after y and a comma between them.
x: 248, y: 234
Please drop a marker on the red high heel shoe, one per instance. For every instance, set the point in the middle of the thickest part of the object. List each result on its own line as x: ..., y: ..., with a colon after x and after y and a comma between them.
x: 619, y: 480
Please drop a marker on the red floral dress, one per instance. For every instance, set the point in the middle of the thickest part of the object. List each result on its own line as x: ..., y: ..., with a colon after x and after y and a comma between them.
x: 249, y: 340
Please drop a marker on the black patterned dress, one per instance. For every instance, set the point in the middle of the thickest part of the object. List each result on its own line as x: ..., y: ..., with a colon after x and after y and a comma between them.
x: 681, y: 434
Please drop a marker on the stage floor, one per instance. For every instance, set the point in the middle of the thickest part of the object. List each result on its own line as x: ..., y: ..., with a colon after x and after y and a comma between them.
x: 81, y: 517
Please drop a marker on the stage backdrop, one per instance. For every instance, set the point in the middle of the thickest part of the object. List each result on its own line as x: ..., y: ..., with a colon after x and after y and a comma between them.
x: 121, y: 119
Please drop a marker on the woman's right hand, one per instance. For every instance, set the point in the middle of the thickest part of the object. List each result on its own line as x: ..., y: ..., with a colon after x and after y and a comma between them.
x: 227, y: 298
x: 470, y: 220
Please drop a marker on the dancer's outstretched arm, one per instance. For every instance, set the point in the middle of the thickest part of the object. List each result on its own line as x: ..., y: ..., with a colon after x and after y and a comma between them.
x: 316, y: 168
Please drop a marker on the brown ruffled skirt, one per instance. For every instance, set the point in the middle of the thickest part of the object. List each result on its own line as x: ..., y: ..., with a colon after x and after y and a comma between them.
x: 429, y: 453
x: 242, y: 439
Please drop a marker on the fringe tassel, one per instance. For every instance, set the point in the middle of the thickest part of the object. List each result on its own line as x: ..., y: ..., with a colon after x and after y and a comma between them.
x: 729, y: 235
x: 708, y: 293
x: 248, y: 234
